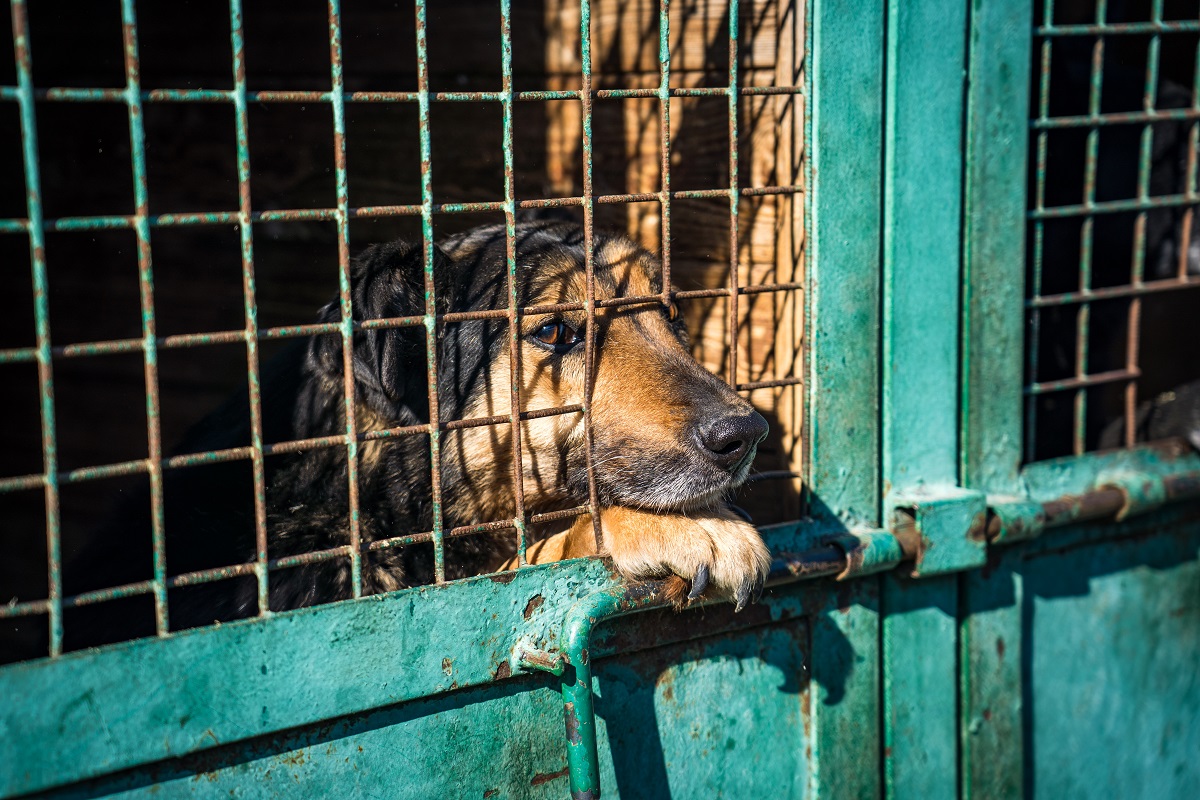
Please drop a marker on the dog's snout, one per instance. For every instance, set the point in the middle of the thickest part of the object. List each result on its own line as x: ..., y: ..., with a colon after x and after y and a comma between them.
x: 727, y: 440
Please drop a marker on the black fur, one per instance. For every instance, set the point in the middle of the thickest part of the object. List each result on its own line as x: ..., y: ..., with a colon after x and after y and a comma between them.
x: 210, y: 510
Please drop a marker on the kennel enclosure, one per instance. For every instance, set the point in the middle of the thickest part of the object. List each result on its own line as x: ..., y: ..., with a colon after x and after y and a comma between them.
x: 944, y: 273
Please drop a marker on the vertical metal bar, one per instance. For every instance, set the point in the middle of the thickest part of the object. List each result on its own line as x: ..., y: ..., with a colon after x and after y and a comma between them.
x: 514, y: 312
x: 1193, y: 144
x: 439, y: 545
x: 734, y: 255
x: 1087, y: 233
x: 342, y: 216
x: 589, y: 259
x: 41, y: 313
x: 1138, y: 267
x: 1039, y: 231
x: 141, y: 227
x: 664, y: 141
x: 249, y: 304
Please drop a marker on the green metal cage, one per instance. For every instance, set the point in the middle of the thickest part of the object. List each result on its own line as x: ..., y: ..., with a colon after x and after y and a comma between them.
x: 973, y: 599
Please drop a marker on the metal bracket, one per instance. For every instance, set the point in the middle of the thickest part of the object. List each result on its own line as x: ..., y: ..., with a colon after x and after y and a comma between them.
x: 942, y: 528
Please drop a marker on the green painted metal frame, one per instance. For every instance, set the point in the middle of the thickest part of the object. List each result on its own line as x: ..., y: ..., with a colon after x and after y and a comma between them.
x: 915, y: 314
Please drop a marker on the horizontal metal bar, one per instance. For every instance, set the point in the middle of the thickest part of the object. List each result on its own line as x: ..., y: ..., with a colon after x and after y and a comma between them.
x: 1119, y: 28
x: 75, y: 224
x: 1115, y: 206
x: 1113, y: 376
x: 1109, y: 292
x: 109, y: 95
x: 1111, y: 501
x: 140, y: 466
x: 19, y: 355
x: 1126, y: 118
x: 744, y: 387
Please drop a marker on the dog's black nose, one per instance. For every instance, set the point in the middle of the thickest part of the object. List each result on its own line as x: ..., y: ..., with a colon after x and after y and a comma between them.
x: 727, y: 440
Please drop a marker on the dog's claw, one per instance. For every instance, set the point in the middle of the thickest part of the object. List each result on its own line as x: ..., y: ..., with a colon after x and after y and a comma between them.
x: 699, y: 582
x: 743, y: 596
x: 756, y: 592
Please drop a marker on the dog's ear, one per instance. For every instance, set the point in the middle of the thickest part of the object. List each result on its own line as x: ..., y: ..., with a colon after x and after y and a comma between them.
x: 387, y: 280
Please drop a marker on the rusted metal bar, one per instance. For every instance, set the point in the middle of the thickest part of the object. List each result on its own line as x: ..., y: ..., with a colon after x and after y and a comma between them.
x: 1149, y: 116
x: 734, y: 195
x: 431, y: 325
x: 118, y: 222
x: 92, y: 95
x: 514, y: 312
x: 344, y: 291
x: 137, y: 160
x: 589, y: 263
x: 1110, y: 292
x: 251, y: 334
x: 1111, y: 501
x: 1083, y: 381
x: 1101, y: 28
x: 664, y: 143
x: 41, y: 312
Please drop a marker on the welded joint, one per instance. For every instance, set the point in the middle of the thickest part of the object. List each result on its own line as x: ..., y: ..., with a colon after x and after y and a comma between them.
x: 941, y: 529
x: 527, y: 658
x: 1143, y: 491
x: 868, y: 552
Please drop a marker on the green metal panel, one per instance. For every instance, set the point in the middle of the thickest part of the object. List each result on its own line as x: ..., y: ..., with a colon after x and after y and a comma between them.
x: 995, y: 153
x: 845, y: 107
x: 921, y: 280
x: 993, y: 244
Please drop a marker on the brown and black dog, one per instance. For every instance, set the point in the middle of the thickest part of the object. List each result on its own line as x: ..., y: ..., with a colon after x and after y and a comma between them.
x: 671, y: 441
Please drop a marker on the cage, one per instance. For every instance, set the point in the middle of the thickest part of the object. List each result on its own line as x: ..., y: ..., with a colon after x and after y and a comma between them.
x: 947, y: 251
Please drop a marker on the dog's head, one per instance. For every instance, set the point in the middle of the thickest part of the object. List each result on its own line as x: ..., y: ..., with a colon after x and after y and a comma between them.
x: 668, y: 435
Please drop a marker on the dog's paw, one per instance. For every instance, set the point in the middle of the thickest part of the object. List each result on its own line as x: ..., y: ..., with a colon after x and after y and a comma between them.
x: 740, y: 561
x: 718, y: 554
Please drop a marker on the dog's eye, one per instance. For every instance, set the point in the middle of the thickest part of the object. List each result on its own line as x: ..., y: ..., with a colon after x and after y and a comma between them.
x: 558, y: 335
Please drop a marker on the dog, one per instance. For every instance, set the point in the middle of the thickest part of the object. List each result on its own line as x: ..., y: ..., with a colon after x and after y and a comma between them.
x: 670, y: 440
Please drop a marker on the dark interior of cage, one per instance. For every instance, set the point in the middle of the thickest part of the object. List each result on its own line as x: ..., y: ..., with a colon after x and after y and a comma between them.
x: 191, y: 167
x: 1119, y: 294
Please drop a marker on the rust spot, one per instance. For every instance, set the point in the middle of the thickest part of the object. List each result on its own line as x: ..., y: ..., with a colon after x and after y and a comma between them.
x: 503, y: 577
x: 546, y: 777
x: 1000, y: 647
x: 987, y: 715
x: 887, y: 752
x: 572, y: 723
x: 490, y: 793
x: 503, y: 670
x: 533, y: 605
x: 447, y: 665
x: 978, y: 530
x: 669, y: 693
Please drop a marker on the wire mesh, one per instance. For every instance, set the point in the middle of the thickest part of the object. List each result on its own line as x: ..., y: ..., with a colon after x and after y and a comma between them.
x: 742, y: 285
x: 1112, y: 197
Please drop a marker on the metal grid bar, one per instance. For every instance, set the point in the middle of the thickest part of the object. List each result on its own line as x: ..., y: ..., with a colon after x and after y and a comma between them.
x: 137, y: 159
x: 141, y: 222
x: 510, y: 255
x: 73, y: 95
x: 589, y: 261
x: 1089, y: 211
x: 249, y: 305
x: 37, y: 260
x: 430, y: 320
x: 734, y: 196
x: 664, y: 142
x: 344, y: 302
x: 376, y: 212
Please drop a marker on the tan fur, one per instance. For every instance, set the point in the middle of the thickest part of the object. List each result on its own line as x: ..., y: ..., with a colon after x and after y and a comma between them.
x: 631, y: 402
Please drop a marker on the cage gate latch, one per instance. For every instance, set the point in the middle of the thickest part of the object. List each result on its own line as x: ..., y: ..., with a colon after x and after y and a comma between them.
x: 941, y: 529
